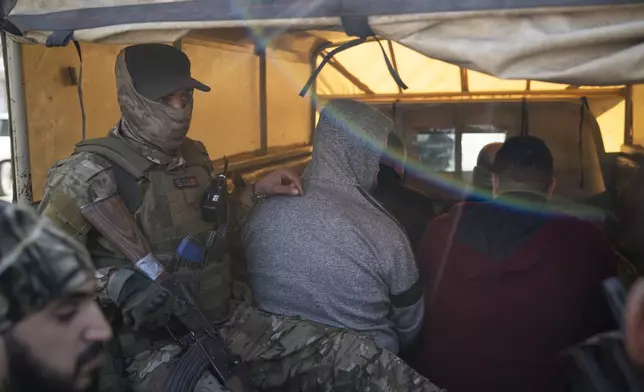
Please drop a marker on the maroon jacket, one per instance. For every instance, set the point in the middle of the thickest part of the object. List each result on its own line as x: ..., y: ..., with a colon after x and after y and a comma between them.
x: 516, y: 289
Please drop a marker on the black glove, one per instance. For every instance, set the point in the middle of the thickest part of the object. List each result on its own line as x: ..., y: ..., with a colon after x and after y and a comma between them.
x: 144, y: 304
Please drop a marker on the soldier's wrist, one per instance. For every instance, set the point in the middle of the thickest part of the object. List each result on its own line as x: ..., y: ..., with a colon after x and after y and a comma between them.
x: 257, y: 195
x: 150, y: 266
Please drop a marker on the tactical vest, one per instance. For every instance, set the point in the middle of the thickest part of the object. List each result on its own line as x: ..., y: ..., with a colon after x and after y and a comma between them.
x: 167, y: 206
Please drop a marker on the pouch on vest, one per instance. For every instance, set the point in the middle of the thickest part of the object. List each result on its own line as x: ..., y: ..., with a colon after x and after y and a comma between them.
x: 169, y: 209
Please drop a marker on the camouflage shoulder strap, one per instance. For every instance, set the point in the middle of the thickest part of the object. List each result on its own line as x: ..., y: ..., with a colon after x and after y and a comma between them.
x: 117, y: 152
x: 129, y: 166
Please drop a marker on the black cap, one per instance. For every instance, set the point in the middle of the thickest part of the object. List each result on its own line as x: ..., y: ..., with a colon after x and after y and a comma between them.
x: 525, y: 155
x: 159, y: 70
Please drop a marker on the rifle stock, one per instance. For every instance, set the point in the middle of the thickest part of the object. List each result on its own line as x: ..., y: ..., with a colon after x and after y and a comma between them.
x: 112, y: 219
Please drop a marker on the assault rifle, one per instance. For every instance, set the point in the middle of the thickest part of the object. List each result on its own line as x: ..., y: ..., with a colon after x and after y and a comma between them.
x: 112, y: 219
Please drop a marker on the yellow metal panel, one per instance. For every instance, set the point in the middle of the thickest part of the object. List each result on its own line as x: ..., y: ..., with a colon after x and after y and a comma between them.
x: 611, y: 124
x: 289, y: 118
x: 330, y: 81
x: 226, y: 119
x: 368, y: 64
x: 481, y: 82
x: 537, y: 86
x: 53, y: 112
x: 422, y: 74
x: 638, y: 114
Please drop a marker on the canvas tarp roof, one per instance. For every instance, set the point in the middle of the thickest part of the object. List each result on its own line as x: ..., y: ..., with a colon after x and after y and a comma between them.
x: 597, y: 42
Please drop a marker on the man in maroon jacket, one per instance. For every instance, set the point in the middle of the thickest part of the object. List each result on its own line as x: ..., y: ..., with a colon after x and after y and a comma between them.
x: 510, y: 284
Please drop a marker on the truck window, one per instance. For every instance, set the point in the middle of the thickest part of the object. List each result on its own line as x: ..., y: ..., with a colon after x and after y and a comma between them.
x: 4, y: 127
x: 473, y: 142
x: 435, y: 149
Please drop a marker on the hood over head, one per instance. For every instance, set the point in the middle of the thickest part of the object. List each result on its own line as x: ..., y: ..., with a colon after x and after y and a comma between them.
x: 147, y: 121
x: 348, y: 143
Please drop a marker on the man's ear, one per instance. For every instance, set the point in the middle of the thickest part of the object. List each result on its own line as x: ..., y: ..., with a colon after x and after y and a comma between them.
x: 495, y: 185
x: 551, y: 187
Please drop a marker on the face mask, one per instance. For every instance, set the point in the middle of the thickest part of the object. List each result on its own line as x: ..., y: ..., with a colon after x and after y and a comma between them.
x: 150, y: 122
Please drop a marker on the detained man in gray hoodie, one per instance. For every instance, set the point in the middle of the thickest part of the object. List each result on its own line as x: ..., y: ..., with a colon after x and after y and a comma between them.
x: 334, y: 255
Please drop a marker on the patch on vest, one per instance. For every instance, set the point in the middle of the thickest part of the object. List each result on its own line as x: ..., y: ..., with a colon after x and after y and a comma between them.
x: 186, y: 182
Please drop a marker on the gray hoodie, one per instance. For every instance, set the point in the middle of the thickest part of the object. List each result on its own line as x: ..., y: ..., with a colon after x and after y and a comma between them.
x: 334, y: 255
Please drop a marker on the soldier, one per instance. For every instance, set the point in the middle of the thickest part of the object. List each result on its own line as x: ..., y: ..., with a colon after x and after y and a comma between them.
x: 52, y: 330
x: 134, y: 196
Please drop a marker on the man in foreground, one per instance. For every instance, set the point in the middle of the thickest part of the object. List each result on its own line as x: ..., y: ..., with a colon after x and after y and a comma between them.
x: 138, y: 196
x: 52, y: 330
x: 335, y: 255
x: 511, y: 284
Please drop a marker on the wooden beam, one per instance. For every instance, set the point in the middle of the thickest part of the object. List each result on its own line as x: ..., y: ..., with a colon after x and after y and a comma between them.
x: 465, y: 85
x: 263, y: 102
x: 483, y: 95
x: 628, y: 116
x: 345, y: 72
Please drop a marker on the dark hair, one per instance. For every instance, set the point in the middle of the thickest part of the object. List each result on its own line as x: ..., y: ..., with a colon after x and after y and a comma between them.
x: 525, y: 161
x: 486, y: 156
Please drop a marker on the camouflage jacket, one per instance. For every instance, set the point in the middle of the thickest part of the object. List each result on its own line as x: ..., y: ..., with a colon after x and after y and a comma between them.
x: 83, y: 178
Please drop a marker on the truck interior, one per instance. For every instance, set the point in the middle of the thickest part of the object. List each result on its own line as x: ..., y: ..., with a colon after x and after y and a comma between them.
x: 449, y: 81
x: 452, y: 75
x: 256, y: 119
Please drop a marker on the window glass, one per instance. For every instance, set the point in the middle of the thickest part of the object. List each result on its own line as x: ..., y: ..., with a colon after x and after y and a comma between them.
x: 4, y: 127
x: 435, y: 149
x: 472, y: 143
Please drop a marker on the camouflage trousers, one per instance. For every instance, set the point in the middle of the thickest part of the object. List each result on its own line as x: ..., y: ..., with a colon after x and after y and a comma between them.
x: 295, y: 355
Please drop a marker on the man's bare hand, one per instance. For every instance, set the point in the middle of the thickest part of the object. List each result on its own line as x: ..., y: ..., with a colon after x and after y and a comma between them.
x: 280, y: 182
